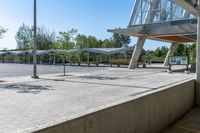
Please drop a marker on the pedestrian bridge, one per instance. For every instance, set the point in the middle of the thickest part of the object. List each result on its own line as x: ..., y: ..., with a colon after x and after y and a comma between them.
x: 172, y: 21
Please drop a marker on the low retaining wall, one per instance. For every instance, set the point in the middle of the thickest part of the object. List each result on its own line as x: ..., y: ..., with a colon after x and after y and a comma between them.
x: 145, y: 114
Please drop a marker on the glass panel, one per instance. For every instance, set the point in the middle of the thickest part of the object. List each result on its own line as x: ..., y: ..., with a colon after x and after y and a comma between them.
x: 154, y: 11
x: 165, y: 14
x: 156, y: 14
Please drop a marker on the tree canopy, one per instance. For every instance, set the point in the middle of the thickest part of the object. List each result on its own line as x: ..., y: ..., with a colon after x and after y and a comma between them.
x: 2, y: 31
x: 44, y: 38
x: 23, y: 37
x: 121, y: 40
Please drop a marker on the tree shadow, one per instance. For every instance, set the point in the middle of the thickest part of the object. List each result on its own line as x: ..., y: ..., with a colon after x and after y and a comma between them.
x: 25, y: 88
x: 99, y: 78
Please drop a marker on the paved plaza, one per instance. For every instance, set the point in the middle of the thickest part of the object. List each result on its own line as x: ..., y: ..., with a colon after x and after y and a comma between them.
x: 28, y: 105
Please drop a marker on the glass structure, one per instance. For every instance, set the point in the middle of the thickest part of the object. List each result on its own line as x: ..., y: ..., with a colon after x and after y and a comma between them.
x: 154, y: 11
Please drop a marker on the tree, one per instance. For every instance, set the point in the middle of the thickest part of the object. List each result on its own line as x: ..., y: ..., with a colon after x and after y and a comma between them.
x: 2, y: 31
x: 92, y: 42
x: 45, y: 38
x: 108, y: 43
x: 121, y: 40
x: 180, y: 50
x: 23, y: 37
x: 161, y: 52
x: 81, y: 41
x: 66, y: 40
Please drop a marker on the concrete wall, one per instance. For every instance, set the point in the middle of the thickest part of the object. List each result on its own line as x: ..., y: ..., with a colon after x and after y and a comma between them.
x: 146, y: 114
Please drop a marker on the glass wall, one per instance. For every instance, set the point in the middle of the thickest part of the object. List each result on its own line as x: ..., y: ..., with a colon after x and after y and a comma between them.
x: 153, y: 11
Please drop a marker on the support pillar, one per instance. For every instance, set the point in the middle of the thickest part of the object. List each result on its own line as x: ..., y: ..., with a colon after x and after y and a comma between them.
x: 197, y: 99
x: 24, y: 58
x: 110, y: 60
x: 170, y: 53
x: 54, y: 59
x: 88, y: 60
x: 40, y: 60
x: 70, y: 61
x: 97, y: 60
x: 49, y: 59
x: 79, y: 60
x: 118, y: 63
x: 136, y: 53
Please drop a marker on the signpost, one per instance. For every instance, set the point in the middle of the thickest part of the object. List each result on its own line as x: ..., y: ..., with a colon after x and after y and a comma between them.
x: 178, y: 60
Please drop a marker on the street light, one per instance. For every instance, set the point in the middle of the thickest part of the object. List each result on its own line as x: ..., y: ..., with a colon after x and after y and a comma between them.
x: 34, y: 42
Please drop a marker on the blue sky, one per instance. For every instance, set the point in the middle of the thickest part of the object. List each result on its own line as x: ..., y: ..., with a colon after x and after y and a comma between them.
x: 90, y: 17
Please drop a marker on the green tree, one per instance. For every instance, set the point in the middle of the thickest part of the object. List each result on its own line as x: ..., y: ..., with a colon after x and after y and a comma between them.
x: 121, y: 40
x: 92, y: 42
x: 66, y: 40
x: 23, y: 37
x: 180, y: 50
x: 108, y: 43
x: 81, y: 41
x: 45, y: 38
x: 161, y: 52
x: 2, y: 31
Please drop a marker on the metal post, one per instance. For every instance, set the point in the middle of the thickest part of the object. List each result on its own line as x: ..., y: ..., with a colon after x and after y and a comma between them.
x: 24, y: 58
x: 64, y: 73
x: 110, y: 60
x: 54, y: 59
x: 198, y: 61
x: 79, y: 60
x: 49, y: 59
x: 118, y: 56
x: 88, y: 60
x: 97, y: 60
x: 141, y: 19
x: 64, y: 56
x: 34, y: 43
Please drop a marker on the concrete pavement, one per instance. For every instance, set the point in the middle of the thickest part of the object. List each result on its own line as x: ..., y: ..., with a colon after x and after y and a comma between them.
x: 28, y: 105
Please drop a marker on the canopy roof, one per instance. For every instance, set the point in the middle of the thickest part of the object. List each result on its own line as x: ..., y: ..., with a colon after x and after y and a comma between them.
x: 103, y: 51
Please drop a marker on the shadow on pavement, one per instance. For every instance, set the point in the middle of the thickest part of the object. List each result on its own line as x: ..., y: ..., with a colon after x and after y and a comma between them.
x: 25, y: 88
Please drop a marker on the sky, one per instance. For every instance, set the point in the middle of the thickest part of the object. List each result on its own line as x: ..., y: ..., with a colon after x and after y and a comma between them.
x: 89, y: 17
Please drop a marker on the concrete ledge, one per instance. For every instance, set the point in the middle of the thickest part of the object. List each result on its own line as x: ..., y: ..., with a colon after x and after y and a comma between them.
x: 144, y: 114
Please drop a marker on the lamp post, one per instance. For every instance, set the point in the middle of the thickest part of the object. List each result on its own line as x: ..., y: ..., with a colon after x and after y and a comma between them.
x: 34, y: 42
